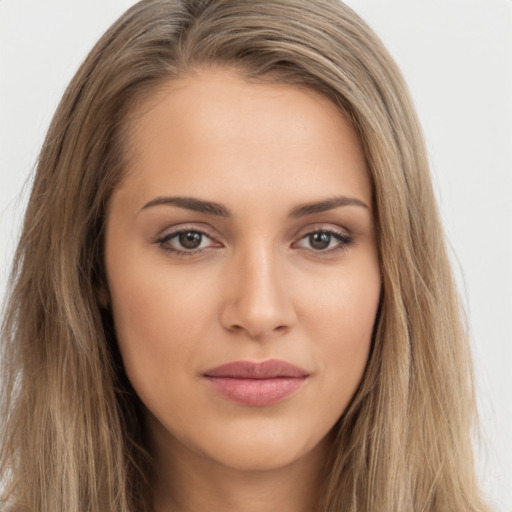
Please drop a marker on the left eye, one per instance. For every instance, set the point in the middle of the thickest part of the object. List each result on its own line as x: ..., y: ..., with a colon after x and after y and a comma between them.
x: 324, y: 240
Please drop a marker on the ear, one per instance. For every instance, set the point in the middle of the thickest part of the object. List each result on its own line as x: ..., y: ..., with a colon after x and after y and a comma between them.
x: 103, y: 295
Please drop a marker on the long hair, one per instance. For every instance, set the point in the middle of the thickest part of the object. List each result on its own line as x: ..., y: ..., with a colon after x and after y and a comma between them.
x: 73, y: 437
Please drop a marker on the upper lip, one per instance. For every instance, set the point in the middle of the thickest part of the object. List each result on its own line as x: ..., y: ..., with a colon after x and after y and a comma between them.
x: 270, y: 369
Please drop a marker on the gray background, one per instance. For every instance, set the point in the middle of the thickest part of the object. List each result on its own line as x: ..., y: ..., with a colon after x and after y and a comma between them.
x: 457, y: 58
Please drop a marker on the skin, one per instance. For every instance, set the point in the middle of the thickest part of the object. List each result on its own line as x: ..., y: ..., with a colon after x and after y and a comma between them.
x: 257, y: 287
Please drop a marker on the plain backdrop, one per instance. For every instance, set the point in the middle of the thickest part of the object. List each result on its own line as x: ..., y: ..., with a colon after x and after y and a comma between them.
x: 456, y: 56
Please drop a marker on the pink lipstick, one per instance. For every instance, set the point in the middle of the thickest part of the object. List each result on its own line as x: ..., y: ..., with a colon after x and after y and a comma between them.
x: 256, y: 384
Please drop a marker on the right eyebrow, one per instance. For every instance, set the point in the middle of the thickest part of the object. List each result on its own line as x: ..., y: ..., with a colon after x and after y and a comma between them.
x: 190, y: 203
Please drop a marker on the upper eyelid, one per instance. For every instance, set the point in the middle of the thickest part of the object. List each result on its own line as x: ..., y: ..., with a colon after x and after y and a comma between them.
x: 176, y: 230
x: 322, y: 226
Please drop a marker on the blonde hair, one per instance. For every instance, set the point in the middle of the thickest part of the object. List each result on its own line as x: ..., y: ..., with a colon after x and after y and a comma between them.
x: 73, y: 436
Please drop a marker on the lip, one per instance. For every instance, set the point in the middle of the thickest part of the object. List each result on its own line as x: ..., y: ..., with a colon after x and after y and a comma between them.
x: 256, y: 383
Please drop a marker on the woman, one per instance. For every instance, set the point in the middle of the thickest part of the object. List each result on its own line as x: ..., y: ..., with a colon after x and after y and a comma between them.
x: 231, y: 291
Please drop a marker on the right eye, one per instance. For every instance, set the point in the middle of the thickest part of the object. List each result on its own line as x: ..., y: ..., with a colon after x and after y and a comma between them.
x: 185, y: 241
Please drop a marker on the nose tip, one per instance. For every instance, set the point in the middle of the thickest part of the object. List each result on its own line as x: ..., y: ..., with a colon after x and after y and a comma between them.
x: 258, y: 304
x: 256, y: 323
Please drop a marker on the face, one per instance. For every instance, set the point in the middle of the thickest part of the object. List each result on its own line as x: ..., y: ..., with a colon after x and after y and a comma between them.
x: 242, y: 269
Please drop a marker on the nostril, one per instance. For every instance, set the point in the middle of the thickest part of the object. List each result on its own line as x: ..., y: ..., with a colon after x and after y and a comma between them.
x: 258, y: 331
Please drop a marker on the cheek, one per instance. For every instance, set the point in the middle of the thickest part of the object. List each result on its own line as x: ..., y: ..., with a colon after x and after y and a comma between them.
x: 341, y: 323
x: 156, y: 315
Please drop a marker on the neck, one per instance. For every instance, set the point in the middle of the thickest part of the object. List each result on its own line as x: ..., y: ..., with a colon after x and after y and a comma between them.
x: 190, y: 482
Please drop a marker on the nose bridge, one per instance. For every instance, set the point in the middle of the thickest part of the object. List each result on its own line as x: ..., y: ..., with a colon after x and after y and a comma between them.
x: 259, y: 301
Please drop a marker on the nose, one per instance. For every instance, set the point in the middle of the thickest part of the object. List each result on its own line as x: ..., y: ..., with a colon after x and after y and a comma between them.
x: 258, y: 301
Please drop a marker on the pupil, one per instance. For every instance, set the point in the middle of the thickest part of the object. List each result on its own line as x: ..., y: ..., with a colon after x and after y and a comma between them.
x: 320, y: 240
x: 190, y: 240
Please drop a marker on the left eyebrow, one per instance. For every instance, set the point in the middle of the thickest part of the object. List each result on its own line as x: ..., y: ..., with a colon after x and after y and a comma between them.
x: 323, y: 206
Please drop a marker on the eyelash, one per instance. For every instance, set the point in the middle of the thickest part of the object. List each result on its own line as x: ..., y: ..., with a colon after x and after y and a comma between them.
x: 343, y: 239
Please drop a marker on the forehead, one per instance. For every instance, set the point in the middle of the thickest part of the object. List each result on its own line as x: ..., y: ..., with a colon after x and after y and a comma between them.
x: 214, y: 132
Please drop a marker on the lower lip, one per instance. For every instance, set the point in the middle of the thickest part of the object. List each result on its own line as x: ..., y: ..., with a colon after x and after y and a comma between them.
x: 256, y: 392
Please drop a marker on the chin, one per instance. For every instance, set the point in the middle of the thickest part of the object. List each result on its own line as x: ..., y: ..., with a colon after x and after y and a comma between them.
x: 252, y: 458
x: 264, y: 448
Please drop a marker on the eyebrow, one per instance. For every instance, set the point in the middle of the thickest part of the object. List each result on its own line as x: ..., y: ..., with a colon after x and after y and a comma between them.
x: 212, y: 208
x: 323, y: 206
x: 190, y: 203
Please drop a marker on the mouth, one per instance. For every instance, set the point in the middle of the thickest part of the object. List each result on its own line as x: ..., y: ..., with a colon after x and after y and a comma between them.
x: 256, y: 383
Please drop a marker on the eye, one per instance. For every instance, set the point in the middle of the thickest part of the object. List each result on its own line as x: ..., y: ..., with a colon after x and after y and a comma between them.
x: 324, y: 241
x: 185, y: 241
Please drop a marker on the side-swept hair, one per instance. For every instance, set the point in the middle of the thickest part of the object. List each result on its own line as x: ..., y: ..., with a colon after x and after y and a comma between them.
x: 73, y: 437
